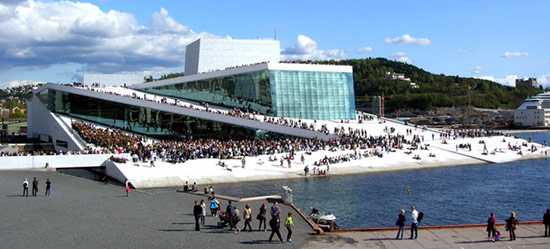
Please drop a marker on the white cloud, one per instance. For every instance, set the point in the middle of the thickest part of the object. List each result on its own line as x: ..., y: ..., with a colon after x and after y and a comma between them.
x: 509, y: 80
x: 544, y: 80
x: 476, y: 70
x: 306, y: 49
x: 408, y: 40
x: 364, y: 50
x: 16, y: 83
x: 402, y: 57
x: 514, y: 54
x: 36, y: 34
x: 464, y: 51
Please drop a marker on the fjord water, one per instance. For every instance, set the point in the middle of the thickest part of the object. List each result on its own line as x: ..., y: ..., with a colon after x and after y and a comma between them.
x: 447, y: 195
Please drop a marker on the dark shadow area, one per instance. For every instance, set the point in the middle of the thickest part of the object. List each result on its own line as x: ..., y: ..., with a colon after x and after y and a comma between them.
x: 174, y: 230
x: 256, y: 242
x: 375, y: 239
x: 272, y: 200
x: 473, y: 242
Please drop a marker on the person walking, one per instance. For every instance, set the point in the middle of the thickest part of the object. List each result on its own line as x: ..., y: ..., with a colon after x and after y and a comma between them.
x: 230, y: 210
x: 546, y: 222
x: 48, y: 187
x: 247, y: 216
x: 34, y: 187
x: 491, y: 228
x: 243, y: 161
x: 274, y: 223
x: 203, y: 212
x: 197, y: 211
x: 289, y: 224
x: 214, y: 206
x: 235, y: 219
x: 127, y: 184
x: 261, y: 217
x: 414, y: 223
x: 511, y: 225
x: 26, y: 187
x: 401, y: 224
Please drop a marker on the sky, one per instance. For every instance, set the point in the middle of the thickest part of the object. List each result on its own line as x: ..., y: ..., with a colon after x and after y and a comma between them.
x: 57, y: 41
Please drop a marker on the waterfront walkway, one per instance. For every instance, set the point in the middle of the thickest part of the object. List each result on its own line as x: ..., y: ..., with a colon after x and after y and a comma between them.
x: 527, y: 236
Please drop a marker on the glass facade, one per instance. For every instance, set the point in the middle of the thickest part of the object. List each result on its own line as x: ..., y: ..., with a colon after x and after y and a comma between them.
x: 247, y: 90
x: 312, y: 94
x: 293, y: 94
x: 138, y: 119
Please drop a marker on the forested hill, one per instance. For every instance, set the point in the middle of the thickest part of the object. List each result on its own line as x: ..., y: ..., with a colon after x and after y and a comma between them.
x: 434, y: 90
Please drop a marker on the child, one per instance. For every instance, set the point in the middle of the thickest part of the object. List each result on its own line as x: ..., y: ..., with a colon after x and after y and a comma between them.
x: 289, y: 224
x: 497, y: 235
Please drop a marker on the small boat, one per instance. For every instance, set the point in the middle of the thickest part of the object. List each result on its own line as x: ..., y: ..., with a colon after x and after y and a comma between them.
x: 322, y: 218
x: 326, y: 221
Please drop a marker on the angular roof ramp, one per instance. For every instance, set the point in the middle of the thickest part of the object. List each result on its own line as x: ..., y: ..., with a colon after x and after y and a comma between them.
x: 255, y: 124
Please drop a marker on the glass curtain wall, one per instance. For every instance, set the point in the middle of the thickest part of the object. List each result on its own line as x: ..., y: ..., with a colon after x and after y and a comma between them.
x: 248, y: 90
x: 312, y: 95
x: 139, y: 119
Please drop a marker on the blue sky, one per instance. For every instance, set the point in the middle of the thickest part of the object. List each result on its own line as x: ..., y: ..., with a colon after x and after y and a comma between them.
x: 55, y: 41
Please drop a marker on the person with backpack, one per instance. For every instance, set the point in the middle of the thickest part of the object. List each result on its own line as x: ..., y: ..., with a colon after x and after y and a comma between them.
x: 214, y: 206
x: 416, y: 218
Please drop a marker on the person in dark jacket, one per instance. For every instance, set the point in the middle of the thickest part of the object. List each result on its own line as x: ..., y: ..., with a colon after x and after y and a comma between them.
x: 511, y: 225
x: 34, y: 187
x: 491, y: 228
x: 275, y: 225
x: 546, y: 222
x: 230, y: 210
x: 197, y: 211
x: 401, y: 224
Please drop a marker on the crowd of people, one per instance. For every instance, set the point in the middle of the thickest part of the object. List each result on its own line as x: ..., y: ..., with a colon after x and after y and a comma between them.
x: 232, y: 217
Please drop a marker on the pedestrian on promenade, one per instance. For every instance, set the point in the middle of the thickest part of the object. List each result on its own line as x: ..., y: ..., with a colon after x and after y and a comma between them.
x: 34, y: 187
x: 289, y: 224
x: 26, y: 187
x: 275, y: 211
x: 243, y: 161
x: 48, y: 187
x: 262, y: 217
x: 230, y: 210
x: 511, y: 225
x: 235, y: 219
x: 127, y: 185
x: 247, y: 216
x: 491, y: 228
x: 546, y: 222
x: 197, y: 210
x: 214, y: 206
x: 401, y: 224
x: 274, y: 223
x: 203, y: 211
x: 414, y: 223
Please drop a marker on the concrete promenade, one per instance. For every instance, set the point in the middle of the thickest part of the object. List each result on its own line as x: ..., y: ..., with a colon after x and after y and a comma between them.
x: 82, y: 213
x: 527, y: 236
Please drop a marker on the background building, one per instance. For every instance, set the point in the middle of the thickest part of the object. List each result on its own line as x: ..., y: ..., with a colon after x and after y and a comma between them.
x: 211, y: 54
x: 526, y: 83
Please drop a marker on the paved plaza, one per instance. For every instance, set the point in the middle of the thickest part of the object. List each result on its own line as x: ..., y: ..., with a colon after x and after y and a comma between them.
x: 527, y: 236
x: 82, y: 213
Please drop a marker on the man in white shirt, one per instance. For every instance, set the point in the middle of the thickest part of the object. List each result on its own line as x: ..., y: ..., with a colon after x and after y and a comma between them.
x: 414, y: 224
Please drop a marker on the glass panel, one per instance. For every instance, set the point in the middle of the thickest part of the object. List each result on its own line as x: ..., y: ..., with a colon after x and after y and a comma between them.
x: 139, y: 119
